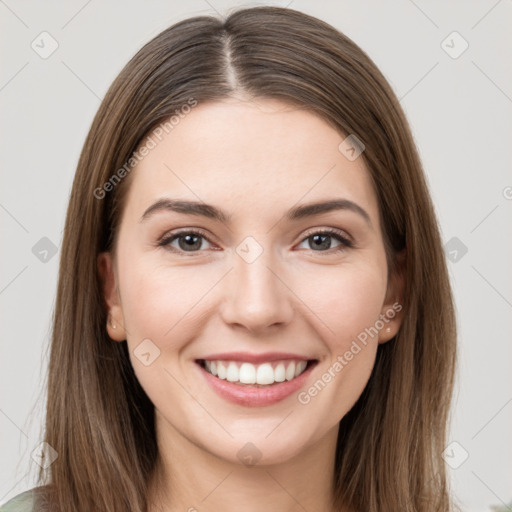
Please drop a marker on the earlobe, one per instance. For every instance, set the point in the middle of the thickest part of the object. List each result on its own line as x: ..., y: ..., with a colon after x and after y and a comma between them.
x: 388, y: 332
x: 107, y: 276
x: 393, y: 309
x: 391, y: 318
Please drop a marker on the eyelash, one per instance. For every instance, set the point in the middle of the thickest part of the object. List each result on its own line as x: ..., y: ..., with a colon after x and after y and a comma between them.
x: 166, y: 240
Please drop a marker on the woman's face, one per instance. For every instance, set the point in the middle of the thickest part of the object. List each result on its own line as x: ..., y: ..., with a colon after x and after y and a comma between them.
x: 258, y: 287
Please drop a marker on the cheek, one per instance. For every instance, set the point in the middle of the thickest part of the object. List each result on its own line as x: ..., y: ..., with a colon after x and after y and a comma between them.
x: 345, y: 299
x: 164, y: 304
x: 160, y: 304
x: 156, y: 299
x: 347, y: 304
x: 359, y: 304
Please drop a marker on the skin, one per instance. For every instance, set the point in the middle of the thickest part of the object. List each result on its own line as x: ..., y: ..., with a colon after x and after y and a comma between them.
x: 255, y: 160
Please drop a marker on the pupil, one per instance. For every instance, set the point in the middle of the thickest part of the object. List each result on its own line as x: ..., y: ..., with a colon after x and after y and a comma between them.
x: 190, y: 242
x: 322, y: 239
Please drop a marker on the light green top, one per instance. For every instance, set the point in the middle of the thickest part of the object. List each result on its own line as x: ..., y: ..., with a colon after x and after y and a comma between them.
x: 23, y: 502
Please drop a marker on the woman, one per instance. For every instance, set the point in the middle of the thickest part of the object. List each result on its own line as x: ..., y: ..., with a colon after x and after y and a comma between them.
x: 253, y: 308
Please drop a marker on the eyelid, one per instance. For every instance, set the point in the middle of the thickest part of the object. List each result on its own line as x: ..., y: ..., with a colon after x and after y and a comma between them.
x: 166, y: 238
x: 330, y: 231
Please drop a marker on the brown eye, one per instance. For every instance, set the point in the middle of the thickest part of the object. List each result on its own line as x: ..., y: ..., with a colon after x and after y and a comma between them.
x: 321, y: 241
x: 187, y: 241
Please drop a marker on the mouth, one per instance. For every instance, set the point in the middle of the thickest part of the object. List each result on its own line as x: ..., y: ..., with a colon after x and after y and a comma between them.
x: 263, y: 375
x: 265, y: 381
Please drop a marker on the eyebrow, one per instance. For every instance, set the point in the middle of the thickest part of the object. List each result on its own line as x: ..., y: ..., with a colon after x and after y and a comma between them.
x: 214, y: 213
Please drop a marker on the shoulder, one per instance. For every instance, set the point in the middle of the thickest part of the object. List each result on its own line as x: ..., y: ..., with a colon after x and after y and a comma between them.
x: 23, y: 502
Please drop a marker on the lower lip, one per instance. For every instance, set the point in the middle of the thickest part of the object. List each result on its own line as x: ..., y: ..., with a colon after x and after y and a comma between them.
x: 253, y: 396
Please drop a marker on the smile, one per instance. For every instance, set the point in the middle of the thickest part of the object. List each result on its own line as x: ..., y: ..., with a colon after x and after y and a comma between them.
x: 257, y: 384
x: 264, y: 374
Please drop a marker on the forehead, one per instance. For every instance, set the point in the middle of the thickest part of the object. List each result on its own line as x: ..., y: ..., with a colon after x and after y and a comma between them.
x: 263, y: 154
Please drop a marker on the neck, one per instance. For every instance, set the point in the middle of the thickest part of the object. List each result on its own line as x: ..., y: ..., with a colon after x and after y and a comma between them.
x: 189, y: 478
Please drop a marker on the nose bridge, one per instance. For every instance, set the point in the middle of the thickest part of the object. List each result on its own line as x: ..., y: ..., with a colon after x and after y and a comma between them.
x: 257, y: 296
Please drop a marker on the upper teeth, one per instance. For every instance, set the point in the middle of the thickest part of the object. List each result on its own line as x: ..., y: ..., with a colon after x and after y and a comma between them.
x: 247, y: 373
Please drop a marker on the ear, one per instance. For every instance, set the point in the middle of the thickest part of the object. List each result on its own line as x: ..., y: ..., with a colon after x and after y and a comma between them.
x: 392, y: 312
x: 110, y: 292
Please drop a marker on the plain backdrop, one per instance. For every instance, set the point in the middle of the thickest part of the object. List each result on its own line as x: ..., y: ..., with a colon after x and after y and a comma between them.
x: 450, y: 65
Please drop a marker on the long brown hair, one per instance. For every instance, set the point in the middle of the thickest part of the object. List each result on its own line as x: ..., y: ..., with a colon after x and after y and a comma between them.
x: 98, y: 418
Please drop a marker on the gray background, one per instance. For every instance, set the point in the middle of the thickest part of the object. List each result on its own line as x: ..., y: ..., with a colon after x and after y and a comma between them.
x: 459, y: 107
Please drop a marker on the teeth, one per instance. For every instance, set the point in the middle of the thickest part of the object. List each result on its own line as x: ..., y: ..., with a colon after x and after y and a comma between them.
x: 263, y: 374
x: 247, y: 374
x: 299, y: 368
x: 232, y: 373
x: 280, y: 373
x: 290, y: 371
x: 221, y: 371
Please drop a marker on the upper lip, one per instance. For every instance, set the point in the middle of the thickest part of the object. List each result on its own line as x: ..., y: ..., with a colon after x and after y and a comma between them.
x: 254, y: 358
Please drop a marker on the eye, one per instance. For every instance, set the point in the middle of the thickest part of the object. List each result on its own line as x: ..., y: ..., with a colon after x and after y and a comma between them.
x: 191, y: 241
x: 187, y: 241
x: 322, y: 240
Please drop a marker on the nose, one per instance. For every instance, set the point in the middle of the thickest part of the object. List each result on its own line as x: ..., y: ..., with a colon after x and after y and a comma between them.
x: 256, y: 295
